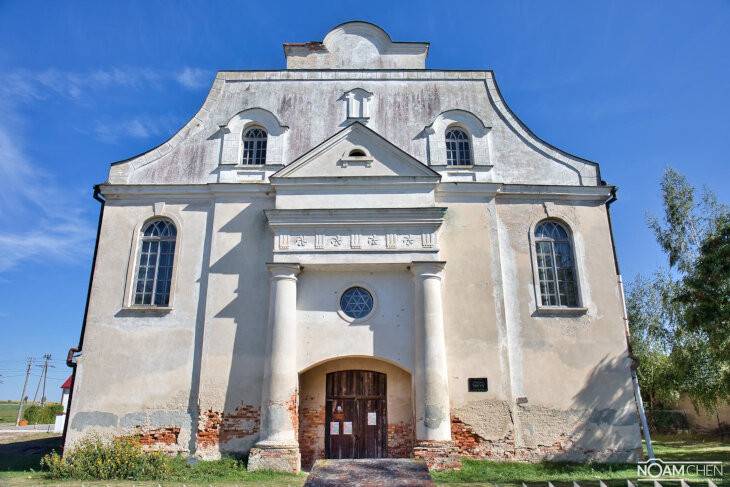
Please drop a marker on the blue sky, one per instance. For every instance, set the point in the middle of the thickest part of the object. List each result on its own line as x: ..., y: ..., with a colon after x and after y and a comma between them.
x: 635, y: 86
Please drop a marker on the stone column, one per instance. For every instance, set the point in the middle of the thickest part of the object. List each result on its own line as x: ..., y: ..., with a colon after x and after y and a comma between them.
x: 433, y: 416
x: 277, y: 448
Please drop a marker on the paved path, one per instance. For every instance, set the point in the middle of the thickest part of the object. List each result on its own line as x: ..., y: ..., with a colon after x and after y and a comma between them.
x: 32, y: 428
x: 373, y: 472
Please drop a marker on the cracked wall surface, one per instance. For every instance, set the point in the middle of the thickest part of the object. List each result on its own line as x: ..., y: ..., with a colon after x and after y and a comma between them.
x: 312, y: 384
x: 559, y: 383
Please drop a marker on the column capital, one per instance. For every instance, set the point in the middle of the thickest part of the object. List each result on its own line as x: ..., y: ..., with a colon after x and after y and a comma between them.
x: 283, y: 270
x: 427, y: 268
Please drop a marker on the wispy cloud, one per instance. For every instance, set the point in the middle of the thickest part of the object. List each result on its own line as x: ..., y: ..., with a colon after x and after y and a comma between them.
x: 24, y: 84
x: 141, y: 127
x: 38, y: 219
x: 193, y: 78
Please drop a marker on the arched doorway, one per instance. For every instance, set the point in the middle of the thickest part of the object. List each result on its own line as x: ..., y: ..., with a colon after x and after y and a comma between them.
x: 356, y: 414
x: 360, y: 385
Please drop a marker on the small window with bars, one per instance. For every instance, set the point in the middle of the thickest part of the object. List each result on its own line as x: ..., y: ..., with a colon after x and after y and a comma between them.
x: 156, y: 257
x: 458, y: 150
x: 555, y: 265
x: 254, y: 146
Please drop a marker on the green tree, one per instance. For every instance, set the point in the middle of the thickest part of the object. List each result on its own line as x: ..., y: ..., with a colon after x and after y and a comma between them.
x: 705, y: 297
x: 674, y: 315
x: 686, y: 223
x: 652, y: 321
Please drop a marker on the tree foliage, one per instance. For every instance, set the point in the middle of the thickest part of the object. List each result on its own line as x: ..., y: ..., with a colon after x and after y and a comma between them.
x: 679, y: 318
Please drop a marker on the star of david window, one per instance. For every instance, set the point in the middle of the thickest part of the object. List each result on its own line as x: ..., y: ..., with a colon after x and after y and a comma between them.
x: 356, y: 302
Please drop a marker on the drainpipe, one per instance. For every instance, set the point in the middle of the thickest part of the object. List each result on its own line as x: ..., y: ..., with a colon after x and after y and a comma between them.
x: 75, y: 352
x: 634, y: 361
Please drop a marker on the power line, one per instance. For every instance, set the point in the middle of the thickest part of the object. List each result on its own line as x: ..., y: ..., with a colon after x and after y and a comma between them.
x: 22, y: 395
x: 47, y: 357
x: 42, y: 379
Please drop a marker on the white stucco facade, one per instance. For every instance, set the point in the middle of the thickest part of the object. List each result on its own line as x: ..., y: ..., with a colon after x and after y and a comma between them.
x: 357, y: 190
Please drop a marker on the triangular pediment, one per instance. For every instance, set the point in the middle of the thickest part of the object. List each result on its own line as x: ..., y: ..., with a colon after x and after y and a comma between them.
x: 356, y: 151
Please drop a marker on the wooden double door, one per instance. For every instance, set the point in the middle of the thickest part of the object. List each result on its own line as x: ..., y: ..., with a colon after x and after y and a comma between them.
x: 356, y: 415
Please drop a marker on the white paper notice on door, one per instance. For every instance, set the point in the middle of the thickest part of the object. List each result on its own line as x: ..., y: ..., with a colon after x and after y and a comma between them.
x: 347, y: 428
x: 334, y: 427
x: 372, y: 419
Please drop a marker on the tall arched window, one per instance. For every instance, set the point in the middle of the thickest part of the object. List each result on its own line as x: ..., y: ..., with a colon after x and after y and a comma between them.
x: 555, y: 265
x: 154, y: 273
x: 254, y: 146
x: 458, y: 152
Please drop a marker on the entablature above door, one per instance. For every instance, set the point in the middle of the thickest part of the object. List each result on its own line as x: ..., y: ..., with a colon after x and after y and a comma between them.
x: 356, y: 235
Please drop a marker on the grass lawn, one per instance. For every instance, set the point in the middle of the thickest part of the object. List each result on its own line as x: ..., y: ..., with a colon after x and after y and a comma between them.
x: 20, y: 455
x: 678, y: 448
x: 8, y: 412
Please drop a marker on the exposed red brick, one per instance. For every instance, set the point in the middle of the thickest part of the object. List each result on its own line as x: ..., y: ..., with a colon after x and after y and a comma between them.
x: 293, y: 410
x: 311, y: 435
x: 400, y: 440
x: 471, y: 445
x: 208, y: 428
x: 438, y: 455
x: 158, y: 438
x: 215, y: 427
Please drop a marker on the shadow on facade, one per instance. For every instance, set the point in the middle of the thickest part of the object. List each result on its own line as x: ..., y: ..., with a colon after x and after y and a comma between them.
x: 604, y: 415
x: 230, y: 328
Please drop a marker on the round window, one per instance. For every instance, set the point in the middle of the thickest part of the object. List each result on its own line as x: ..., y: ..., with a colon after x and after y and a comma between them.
x: 356, y: 302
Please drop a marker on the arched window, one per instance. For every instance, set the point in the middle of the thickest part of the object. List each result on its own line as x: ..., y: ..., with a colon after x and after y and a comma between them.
x: 555, y: 265
x: 458, y: 152
x: 154, y: 273
x: 254, y: 146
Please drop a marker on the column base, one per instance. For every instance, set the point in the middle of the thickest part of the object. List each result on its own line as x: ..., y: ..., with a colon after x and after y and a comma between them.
x: 438, y: 455
x: 280, y: 458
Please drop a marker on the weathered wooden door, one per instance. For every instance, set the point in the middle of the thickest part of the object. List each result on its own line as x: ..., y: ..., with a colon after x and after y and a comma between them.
x: 356, y: 415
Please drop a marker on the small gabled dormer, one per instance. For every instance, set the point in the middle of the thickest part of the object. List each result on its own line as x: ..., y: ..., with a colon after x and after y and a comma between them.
x: 358, y: 103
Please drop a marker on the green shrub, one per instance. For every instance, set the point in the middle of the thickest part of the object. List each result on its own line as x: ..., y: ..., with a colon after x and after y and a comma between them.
x: 36, y: 414
x: 95, y: 459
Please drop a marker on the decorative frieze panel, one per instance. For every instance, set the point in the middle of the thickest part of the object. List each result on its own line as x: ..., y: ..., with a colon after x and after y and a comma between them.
x: 351, y: 242
x: 356, y: 230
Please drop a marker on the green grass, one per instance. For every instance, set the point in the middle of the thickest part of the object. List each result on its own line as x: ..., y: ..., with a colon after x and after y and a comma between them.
x: 8, y: 412
x: 19, y: 459
x: 676, y: 448
x: 228, y: 469
x: 482, y: 471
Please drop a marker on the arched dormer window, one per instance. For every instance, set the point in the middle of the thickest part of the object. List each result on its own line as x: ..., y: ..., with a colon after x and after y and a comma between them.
x: 254, y: 146
x: 156, y: 257
x: 458, y: 150
x: 555, y: 265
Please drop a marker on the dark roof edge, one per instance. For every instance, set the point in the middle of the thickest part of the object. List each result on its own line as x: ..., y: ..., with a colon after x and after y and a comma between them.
x: 532, y: 134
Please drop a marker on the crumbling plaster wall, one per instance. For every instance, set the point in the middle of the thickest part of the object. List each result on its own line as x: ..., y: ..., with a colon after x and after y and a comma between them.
x: 233, y: 346
x: 572, y: 371
x: 311, y: 108
x: 312, y: 396
x: 136, y: 369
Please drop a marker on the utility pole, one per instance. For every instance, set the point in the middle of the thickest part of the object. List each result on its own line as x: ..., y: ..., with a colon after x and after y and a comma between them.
x: 47, y: 358
x: 25, y: 385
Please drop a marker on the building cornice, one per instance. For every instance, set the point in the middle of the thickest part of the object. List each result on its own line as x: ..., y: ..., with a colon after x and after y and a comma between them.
x: 523, y: 191
x: 354, y: 74
x: 205, y: 191
x: 443, y: 189
x: 355, y: 216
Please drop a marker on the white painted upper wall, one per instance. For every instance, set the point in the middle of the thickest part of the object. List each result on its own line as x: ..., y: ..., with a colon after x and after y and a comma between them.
x: 356, y: 45
x: 303, y: 108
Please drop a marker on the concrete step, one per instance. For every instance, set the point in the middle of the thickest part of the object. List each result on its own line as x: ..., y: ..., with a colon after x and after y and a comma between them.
x: 370, y: 472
